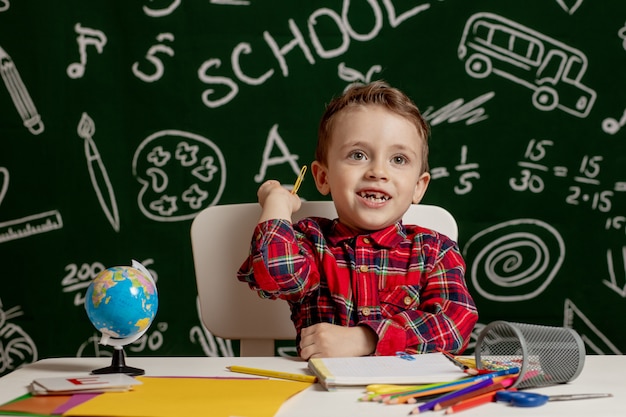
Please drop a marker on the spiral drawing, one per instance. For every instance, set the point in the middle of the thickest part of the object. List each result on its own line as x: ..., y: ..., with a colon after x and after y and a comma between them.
x: 514, y: 260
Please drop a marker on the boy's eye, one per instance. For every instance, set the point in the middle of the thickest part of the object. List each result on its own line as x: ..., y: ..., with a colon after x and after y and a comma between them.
x: 357, y: 155
x: 400, y: 160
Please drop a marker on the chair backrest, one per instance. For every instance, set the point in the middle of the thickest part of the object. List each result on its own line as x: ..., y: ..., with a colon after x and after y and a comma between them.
x: 220, y: 239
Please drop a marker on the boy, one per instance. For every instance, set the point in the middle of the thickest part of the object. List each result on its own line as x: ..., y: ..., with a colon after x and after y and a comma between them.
x: 363, y: 283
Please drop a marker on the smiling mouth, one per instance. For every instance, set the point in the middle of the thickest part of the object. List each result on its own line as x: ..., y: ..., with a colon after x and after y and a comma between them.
x: 378, y: 197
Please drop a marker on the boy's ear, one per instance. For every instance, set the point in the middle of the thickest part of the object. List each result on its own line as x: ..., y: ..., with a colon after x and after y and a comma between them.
x: 320, y: 175
x: 420, y: 187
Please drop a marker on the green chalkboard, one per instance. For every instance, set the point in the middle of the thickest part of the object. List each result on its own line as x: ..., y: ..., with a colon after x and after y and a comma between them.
x: 120, y: 120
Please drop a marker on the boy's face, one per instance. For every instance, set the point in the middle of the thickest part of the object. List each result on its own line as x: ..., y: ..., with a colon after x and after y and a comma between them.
x: 373, y: 168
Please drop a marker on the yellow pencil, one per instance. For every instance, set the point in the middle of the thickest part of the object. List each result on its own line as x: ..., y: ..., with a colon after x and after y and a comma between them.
x: 272, y: 374
x: 375, y: 392
x: 296, y: 186
x: 390, y: 388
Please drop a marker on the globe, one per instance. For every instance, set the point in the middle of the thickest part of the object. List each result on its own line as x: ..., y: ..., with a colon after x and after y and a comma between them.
x: 121, y: 302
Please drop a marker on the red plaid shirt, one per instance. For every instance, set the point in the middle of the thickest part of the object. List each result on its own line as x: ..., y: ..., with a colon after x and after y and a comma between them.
x: 404, y: 282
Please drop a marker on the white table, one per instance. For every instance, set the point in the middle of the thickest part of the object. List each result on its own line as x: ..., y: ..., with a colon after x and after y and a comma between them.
x: 601, y: 374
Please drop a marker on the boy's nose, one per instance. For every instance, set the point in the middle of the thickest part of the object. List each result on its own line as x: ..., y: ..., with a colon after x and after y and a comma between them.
x: 377, y: 171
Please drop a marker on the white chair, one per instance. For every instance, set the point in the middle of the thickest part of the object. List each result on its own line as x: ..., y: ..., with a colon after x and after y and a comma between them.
x: 220, y: 239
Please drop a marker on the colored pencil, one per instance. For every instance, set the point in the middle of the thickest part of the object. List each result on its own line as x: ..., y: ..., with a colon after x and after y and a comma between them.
x: 472, y: 402
x: 411, y: 398
x: 430, y: 405
x: 272, y: 374
x: 299, y: 180
x: 465, y: 368
x: 401, y: 398
x: 391, y: 388
x: 440, y: 388
x: 374, y: 391
x: 495, y: 387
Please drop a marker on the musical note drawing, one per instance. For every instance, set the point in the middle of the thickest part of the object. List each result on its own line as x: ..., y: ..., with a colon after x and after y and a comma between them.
x: 19, y: 94
x: 86, y: 37
x: 98, y: 173
x: 612, y: 126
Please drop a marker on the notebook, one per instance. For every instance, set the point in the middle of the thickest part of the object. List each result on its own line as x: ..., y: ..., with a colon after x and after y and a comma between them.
x: 402, y: 369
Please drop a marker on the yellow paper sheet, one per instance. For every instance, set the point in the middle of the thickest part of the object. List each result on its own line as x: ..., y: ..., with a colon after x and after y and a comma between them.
x: 193, y: 397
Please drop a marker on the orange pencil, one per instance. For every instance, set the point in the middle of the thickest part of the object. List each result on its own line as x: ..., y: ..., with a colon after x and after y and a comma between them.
x: 472, y: 402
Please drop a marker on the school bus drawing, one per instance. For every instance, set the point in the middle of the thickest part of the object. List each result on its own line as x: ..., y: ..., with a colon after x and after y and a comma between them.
x: 553, y: 70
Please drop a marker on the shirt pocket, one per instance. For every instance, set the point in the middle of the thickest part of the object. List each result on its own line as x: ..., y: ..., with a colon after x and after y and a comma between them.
x: 398, y: 299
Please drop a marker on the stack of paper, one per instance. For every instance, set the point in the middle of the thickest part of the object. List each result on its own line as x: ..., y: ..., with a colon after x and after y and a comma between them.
x: 83, y: 384
x: 403, y: 369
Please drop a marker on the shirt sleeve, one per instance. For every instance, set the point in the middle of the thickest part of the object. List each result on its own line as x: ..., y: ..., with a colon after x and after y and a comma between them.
x: 276, y: 267
x: 443, y: 317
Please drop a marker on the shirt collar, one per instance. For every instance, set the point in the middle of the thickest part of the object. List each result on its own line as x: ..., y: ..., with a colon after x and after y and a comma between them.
x: 388, y: 237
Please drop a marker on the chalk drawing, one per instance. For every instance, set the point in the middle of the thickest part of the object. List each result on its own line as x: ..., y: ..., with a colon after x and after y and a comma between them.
x: 86, y: 37
x: 612, y: 283
x: 154, y: 60
x: 354, y: 76
x: 612, y: 126
x: 98, y: 173
x: 570, y: 6
x: 16, y: 346
x: 19, y: 94
x: 552, y: 69
x: 515, y: 260
x: 595, y: 340
x: 195, y: 161
x: 165, y: 11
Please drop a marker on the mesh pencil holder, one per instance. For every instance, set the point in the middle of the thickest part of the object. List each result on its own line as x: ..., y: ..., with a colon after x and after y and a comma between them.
x: 545, y: 355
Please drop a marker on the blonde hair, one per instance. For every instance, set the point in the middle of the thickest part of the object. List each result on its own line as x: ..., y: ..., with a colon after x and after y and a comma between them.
x: 375, y: 93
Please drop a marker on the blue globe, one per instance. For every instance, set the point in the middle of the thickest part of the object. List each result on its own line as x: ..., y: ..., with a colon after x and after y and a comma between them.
x: 121, y: 302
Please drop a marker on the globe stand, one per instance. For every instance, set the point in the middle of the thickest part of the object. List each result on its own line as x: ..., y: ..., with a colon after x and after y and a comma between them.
x: 105, y: 319
x: 118, y: 365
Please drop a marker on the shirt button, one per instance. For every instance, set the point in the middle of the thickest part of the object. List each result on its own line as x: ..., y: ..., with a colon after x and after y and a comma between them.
x: 407, y: 300
x: 363, y: 268
x: 366, y: 240
x: 366, y: 311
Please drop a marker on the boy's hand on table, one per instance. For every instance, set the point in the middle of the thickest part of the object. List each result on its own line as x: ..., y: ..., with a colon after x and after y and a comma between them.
x: 324, y: 340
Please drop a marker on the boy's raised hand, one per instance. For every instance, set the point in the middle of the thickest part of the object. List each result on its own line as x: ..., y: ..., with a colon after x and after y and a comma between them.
x: 276, y: 201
